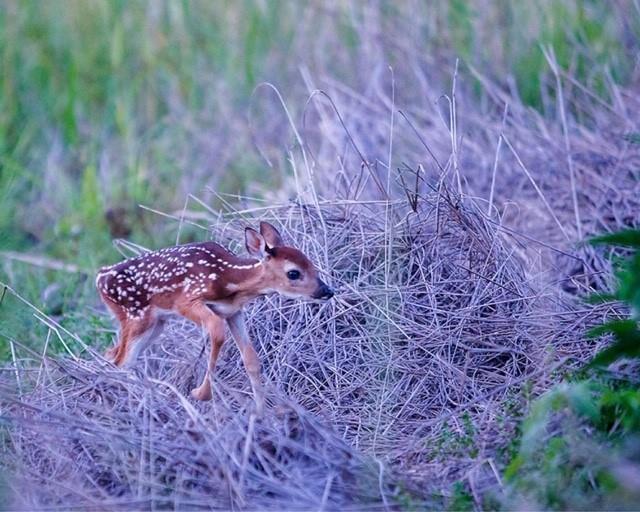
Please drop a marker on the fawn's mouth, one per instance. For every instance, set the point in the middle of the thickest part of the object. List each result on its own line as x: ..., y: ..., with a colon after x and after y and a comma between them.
x: 323, y: 292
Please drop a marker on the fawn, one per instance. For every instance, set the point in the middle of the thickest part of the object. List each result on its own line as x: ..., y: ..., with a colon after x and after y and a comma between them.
x: 206, y: 284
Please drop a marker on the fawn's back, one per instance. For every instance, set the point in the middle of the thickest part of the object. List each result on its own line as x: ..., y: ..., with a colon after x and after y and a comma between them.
x: 196, y: 271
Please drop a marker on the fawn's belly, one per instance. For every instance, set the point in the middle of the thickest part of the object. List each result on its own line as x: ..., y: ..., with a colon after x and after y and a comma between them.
x: 224, y: 308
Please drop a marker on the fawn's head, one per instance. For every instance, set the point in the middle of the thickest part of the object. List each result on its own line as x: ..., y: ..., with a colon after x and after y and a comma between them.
x: 287, y: 270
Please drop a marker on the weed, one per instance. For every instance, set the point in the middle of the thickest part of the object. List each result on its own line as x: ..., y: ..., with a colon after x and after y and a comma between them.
x: 578, y: 435
x: 461, y: 499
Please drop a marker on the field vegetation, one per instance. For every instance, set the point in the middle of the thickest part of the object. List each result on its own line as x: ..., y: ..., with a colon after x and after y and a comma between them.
x: 449, y: 166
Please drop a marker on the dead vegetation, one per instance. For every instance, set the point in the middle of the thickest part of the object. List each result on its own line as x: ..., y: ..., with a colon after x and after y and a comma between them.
x: 459, y: 277
x: 435, y: 318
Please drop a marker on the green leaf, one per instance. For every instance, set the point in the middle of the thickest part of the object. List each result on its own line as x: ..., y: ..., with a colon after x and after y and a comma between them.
x: 627, y: 342
x: 601, y: 298
x: 514, y: 466
x: 581, y: 400
x: 625, y: 237
x: 616, y: 327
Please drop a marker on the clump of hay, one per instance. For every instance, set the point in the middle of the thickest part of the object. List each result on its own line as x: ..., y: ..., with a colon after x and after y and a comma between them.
x: 435, y: 326
x: 95, y: 437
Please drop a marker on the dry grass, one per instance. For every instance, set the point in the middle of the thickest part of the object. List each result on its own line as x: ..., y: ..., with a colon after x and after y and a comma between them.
x: 448, y: 304
x: 434, y: 318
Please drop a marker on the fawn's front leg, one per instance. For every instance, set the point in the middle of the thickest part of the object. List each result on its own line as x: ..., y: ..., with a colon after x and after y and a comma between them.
x: 249, y: 357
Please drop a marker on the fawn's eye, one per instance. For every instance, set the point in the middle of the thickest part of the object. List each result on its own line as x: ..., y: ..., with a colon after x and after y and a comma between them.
x: 293, y: 274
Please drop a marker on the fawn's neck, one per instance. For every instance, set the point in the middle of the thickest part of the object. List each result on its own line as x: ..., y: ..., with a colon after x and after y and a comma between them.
x: 245, y: 277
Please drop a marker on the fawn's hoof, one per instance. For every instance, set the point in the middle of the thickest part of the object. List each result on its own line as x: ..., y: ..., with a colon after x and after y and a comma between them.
x: 202, y: 393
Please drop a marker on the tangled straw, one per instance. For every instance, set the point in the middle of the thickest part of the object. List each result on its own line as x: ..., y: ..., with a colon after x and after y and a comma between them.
x: 359, y: 390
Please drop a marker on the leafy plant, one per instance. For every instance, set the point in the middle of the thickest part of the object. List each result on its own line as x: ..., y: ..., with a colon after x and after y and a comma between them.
x: 460, y: 499
x: 627, y: 274
x: 581, y: 437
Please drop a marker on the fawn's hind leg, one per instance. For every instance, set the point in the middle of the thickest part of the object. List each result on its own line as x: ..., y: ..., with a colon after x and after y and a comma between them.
x: 112, y: 352
x: 135, y: 335
x: 199, y: 313
x: 139, y: 343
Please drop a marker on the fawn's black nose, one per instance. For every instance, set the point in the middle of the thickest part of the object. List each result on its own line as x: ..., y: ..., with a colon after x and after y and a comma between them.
x: 323, y: 291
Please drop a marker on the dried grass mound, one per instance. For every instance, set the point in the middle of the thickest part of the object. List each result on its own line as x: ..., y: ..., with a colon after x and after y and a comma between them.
x: 435, y: 326
x: 94, y: 437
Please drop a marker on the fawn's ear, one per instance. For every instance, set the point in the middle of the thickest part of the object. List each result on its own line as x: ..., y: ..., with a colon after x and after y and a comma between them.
x: 271, y: 235
x: 255, y: 243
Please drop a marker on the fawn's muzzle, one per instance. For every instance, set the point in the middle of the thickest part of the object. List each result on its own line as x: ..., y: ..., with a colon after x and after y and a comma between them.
x: 323, y: 291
